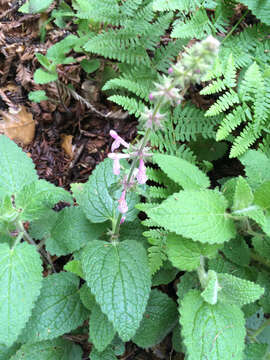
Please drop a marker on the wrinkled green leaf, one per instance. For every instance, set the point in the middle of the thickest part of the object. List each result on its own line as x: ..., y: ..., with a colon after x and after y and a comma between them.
x: 243, y: 196
x: 75, y: 267
x: 237, y: 251
x: 71, y: 231
x: 87, y: 298
x: 20, y: 283
x: 107, y: 354
x: 255, y: 351
x: 101, y: 331
x: 58, y: 349
x: 43, y: 77
x: 213, y: 332
x: 199, y: 215
x: 58, y: 309
x: 185, y: 253
x: 210, y: 293
x: 159, y: 318
x: 119, y: 277
x: 17, y: 169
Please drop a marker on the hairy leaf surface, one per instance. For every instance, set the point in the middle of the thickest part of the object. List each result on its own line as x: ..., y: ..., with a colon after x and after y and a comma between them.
x: 58, y: 309
x: 17, y: 169
x: 119, y: 277
x: 212, y: 332
x: 20, y: 283
x: 189, y: 176
x: 199, y: 215
x: 159, y: 319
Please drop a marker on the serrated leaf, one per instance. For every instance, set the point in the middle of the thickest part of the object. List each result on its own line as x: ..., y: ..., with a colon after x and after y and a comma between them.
x: 238, y: 291
x: 97, y: 201
x: 71, y: 231
x: 212, y: 332
x: 237, y: 251
x: 20, y: 283
x: 257, y: 167
x: 35, y: 6
x: 243, y: 196
x: 101, y: 331
x: 58, y: 309
x: 199, y: 215
x: 119, y: 277
x: 43, y: 77
x: 58, y: 349
x: 210, y: 293
x: 87, y: 298
x: 41, y: 228
x: 262, y: 245
x: 260, y: 9
x: 90, y: 66
x: 17, y: 169
x: 228, y: 190
x: 189, y: 176
x: 255, y: 351
x: 36, y: 198
x: 159, y: 318
x: 165, y: 275
x: 75, y: 267
x: 185, y: 254
x: 107, y: 354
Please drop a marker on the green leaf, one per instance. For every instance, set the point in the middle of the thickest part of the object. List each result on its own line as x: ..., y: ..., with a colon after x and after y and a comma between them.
x: 262, y: 195
x: 257, y: 167
x: 159, y: 319
x: 36, y: 198
x: 165, y: 275
x: 87, y: 297
x: 57, y: 52
x: 210, y: 293
x: 238, y: 291
x: 212, y: 332
x: 188, y: 281
x: 7, y: 352
x: 59, y: 296
x: 20, y: 283
x: 264, y: 281
x: 17, y: 169
x: 44, y: 61
x: 255, y: 351
x: 35, y: 6
x: 185, y: 253
x: 72, y: 231
x: 75, y: 267
x: 90, y: 66
x: 37, y: 96
x: 97, y: 200
x: 58, y: 349
x: 119, y: 277
x: 237, y: 251
x: 199, y: 215
x: 261, y: 9
x: 262, y: 245
x: 107, y: 354
x: 243, y: 196
x: 41, y: 228
x: 101, y: 331
x: 43, y: 77
x: 182, y: 172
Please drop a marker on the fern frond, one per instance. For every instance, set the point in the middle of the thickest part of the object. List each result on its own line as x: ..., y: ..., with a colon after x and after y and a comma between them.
x: 230, y: 122
x: 224, y: 103
x: 243, y: 141
x: 164, y: 55
x: 157, y: 192
x: 132, y: 105
x: 141, y: 89
x: 156, y: 256
x: 213, y: 88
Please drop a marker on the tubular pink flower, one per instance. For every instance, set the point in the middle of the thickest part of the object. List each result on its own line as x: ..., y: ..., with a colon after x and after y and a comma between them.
x: 123, y: 208
x: 116, y: 161
x: 141, y: 175
x: 117, y: 141
x: 123, y: 218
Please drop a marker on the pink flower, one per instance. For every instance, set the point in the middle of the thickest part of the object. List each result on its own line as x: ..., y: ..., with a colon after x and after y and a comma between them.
x: 141, y: 175
x: 117, y: 141
x: 122, y: 207
x: 123, y: 218
x: 116, y: 163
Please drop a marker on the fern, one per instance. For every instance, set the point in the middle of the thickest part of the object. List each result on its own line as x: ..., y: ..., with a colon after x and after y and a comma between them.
x: 133, y: 106
x: 251, y: 95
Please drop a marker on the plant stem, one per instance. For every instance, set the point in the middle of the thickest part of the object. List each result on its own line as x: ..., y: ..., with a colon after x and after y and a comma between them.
x: 202, y: 274
x: 235, y: 26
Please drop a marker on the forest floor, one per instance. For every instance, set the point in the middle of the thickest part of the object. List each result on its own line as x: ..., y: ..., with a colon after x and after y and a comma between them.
x: 65, y: 138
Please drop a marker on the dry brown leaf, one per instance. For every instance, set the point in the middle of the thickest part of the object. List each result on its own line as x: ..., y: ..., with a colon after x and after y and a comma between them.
x: 18, y: 126
x: 67, y: 146
x: 24, y: 76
